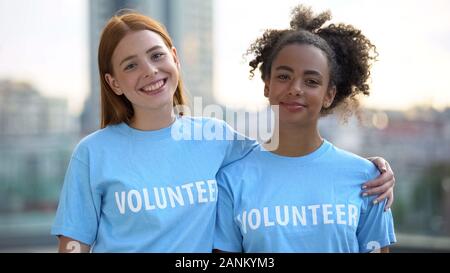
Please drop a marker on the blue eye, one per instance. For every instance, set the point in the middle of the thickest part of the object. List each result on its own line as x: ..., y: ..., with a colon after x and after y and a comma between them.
x: 157, y: 56
x: 130, y: 66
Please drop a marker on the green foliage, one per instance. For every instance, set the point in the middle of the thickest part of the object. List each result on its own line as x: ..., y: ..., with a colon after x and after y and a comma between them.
x: 428, y: 196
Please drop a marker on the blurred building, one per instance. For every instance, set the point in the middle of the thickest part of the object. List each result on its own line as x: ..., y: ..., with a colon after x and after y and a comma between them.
x: 189, y: 23
x: 446, y: 204
x: 346, y: 136
x: 411, y: 141
x: 36, y: 138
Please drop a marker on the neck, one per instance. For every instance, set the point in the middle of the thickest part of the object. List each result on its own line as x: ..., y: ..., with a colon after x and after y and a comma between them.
x: 150, y: 120
x: 297, y: 141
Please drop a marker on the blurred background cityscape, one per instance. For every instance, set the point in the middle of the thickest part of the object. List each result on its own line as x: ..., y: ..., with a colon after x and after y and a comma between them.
x: 49, y: 97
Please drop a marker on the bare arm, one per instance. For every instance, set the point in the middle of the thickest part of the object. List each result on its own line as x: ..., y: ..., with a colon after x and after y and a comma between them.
x: 384, y: 250
x: 69, y: 245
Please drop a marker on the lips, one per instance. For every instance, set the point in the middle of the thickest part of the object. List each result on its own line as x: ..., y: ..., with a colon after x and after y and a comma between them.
x: 293, y: 106
x: 154, y: 87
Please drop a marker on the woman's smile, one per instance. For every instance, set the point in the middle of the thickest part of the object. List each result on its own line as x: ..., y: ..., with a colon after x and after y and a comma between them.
x: 154, y: 88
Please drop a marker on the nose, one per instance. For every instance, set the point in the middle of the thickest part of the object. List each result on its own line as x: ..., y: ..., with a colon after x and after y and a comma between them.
x: 296, y: 89
x: 150, y: 70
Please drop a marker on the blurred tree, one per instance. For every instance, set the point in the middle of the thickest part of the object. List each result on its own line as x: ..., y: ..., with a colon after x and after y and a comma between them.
x: 400, y: 211
x: 431, y: 199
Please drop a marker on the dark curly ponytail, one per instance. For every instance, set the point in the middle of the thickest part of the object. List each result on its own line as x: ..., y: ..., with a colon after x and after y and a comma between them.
x: 354, y: 54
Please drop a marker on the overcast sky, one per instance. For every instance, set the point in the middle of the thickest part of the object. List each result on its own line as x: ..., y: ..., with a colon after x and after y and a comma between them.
x: 44, y: 42
x: 412, y: 38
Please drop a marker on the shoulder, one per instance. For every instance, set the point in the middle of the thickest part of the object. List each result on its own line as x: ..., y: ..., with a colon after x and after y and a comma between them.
x: 249, y: 163
x: 204, y: 123
x: 106, y: 136
x: 202, y: 120
x: 211, y: 128
x: 100, y: 136
x: 242, y: 174
x: 349, y: 161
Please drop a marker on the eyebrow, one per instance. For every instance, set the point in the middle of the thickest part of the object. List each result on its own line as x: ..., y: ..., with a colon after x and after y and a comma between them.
x: 134, y: 56
x: 307, y: 72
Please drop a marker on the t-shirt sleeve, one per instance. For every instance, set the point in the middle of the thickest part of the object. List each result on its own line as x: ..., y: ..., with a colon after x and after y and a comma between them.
x: 238, y: 145
x: 79, y: 206
x: 376, y: 226
x: 227, y: 235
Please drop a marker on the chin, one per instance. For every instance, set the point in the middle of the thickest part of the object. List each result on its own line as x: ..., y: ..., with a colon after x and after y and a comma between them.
x: 292, y: 120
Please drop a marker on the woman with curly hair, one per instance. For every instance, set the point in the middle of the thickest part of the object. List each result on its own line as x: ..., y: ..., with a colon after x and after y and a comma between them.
x: 304, y: 196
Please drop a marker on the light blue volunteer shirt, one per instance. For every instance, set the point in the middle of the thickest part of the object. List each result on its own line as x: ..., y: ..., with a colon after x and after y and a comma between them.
x: 127, y: 190
x: 312, y: 203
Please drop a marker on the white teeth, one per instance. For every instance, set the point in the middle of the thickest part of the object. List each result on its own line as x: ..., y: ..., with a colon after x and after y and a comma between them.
x: 154, y: 86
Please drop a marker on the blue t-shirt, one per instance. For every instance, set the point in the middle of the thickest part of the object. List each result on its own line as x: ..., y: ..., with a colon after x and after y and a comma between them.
x: 312, y: 203
x: 128, y: 190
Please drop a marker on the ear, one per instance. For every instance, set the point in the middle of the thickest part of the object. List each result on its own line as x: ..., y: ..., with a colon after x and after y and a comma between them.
x: 329, y: 97
x: 113, y: 84
x: 175, y: 57
x: 266, y: 87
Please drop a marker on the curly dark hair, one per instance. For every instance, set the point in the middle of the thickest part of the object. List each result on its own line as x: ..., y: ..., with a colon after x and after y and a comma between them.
x: 349, y: 53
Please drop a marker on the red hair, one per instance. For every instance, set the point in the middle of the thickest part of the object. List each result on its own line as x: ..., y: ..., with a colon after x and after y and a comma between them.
x: 117, y: 109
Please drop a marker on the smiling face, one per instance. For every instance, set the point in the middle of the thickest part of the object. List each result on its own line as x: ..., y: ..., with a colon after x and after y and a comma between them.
x: 299, y: 84
x: 145, y: 71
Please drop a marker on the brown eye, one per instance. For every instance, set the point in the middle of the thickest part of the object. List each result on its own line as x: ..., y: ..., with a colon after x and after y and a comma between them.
x: 312, y: 82
x: 283, y: 77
